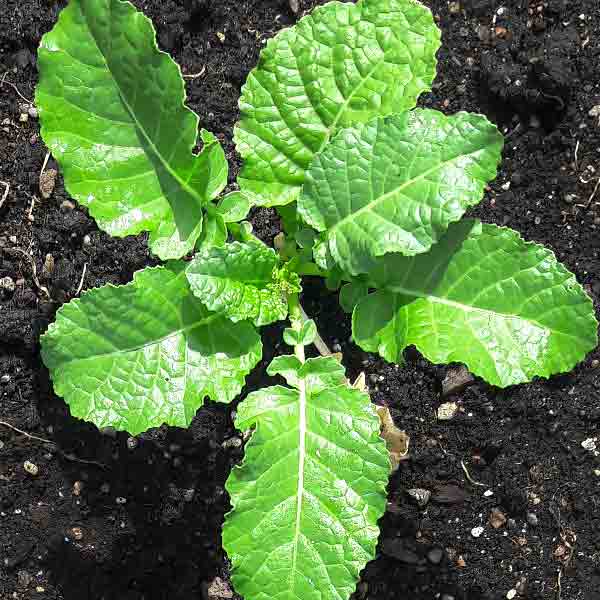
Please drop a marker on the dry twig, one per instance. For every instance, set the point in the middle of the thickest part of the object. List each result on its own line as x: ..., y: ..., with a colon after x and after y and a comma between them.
x: 34, y: 276
x: 14, y: 87
x: 196, y: 75
x: 80, y: 286
x: 468, y: 476
x: 5, y: 194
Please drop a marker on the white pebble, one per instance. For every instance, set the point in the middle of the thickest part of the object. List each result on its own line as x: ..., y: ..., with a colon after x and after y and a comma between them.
x: 476, y: 531
x: 31, y: 468
x: 511, y: 594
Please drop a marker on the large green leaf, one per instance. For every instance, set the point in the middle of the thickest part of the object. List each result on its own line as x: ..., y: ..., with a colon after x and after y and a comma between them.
x: 396, y: 183
x: 243, y: 281
x: 311, y: 488
x: 483, y: 296
x: 343, y: 64
x: 112, y: 113
x: 146, y: 353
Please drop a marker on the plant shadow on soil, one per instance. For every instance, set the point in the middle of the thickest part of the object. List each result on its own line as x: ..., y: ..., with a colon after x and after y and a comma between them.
x: 106, y: 520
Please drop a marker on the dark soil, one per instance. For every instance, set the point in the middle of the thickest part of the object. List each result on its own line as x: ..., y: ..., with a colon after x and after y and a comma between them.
x: 103, y: 520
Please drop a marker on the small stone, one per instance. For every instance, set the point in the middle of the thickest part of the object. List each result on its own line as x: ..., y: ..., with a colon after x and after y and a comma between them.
x: 532, y: 519
x: 32, y: 469
x: 67, y: 205
x: 77, y: 533
x: 221, y: 36
x: 87, y: 240
x: 435, y: 555
x: 77, y: 487
x: 32, y: 111
x: 420, y: 496
x: 511, y: 594
x: 232, y: 442
x: 477, y: 531
x: 497, y: 518
x: 488, y: 493
x: 23, y: 117
x: 47, y: 182
x: 594, y: 111
x: 23, y: 579
x: 12, y: 239
x: 456, y: 380
x: 294, y: 6
x: 446, y: 411
x: 7, y: 284
x: 39, y: 589
x: 589, y: 444
x: 48, y: 267
x: 218, y: 589
x: 454, y: 8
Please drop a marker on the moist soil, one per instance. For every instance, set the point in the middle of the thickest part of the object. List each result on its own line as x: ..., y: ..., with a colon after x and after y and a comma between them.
x: 109, y: 517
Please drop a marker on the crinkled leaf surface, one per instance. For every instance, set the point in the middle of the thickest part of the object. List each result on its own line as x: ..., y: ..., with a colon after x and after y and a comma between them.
x: 344, y: 63
x: 146, y: 353
x: 484, y: 297
x: 396, y: 183
x: 311, y: 488
x: 112, y: 113
x: 243, y: 281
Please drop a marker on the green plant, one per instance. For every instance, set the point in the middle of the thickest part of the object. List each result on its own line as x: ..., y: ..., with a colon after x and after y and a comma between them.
x: 371, y: 195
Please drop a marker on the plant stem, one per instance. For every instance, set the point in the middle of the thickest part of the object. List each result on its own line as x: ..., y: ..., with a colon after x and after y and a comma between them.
x: 297, y: 316
x: 320, y: 345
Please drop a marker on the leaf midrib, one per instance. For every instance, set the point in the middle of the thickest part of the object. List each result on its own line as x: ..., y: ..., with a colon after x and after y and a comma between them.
x: 184, y: 184
x: 153, y: 342
x: 397, y: 190
x: 466, y: 308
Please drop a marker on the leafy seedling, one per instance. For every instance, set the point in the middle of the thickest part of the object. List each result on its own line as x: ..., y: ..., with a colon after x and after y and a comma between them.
x: 371, y: 194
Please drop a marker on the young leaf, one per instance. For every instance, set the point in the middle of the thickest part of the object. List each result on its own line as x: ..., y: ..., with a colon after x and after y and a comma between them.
x: 345, y: 63
x: 214, y: 231
x: 303, y: 337
x: 146, y: 353
x: 311, y: 488
x: 112, y: 113
x: 234, y: 207
x: 243, y: 281
x: 484, y: 297
x: 396, y: 183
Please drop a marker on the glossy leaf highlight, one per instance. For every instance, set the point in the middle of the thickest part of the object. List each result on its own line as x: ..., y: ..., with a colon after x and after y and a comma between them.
x: 396, y: 183
x: 311, y: 488
x: 484, y: 297
x: 343, y: 64
x: 146, y: 353
x: 112, y: 113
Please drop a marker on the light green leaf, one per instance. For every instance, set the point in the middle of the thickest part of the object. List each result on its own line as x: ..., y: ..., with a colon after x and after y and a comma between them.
x: 484, y: 297
x: 146, y: 353
x: 234, y: 207
x: 214, y: 232
x: 303, y: 337
x: 112, y: 113
x: 242, y: 281
x: 343, y: 64
x: 310, y: 490
x: 395, y: 184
